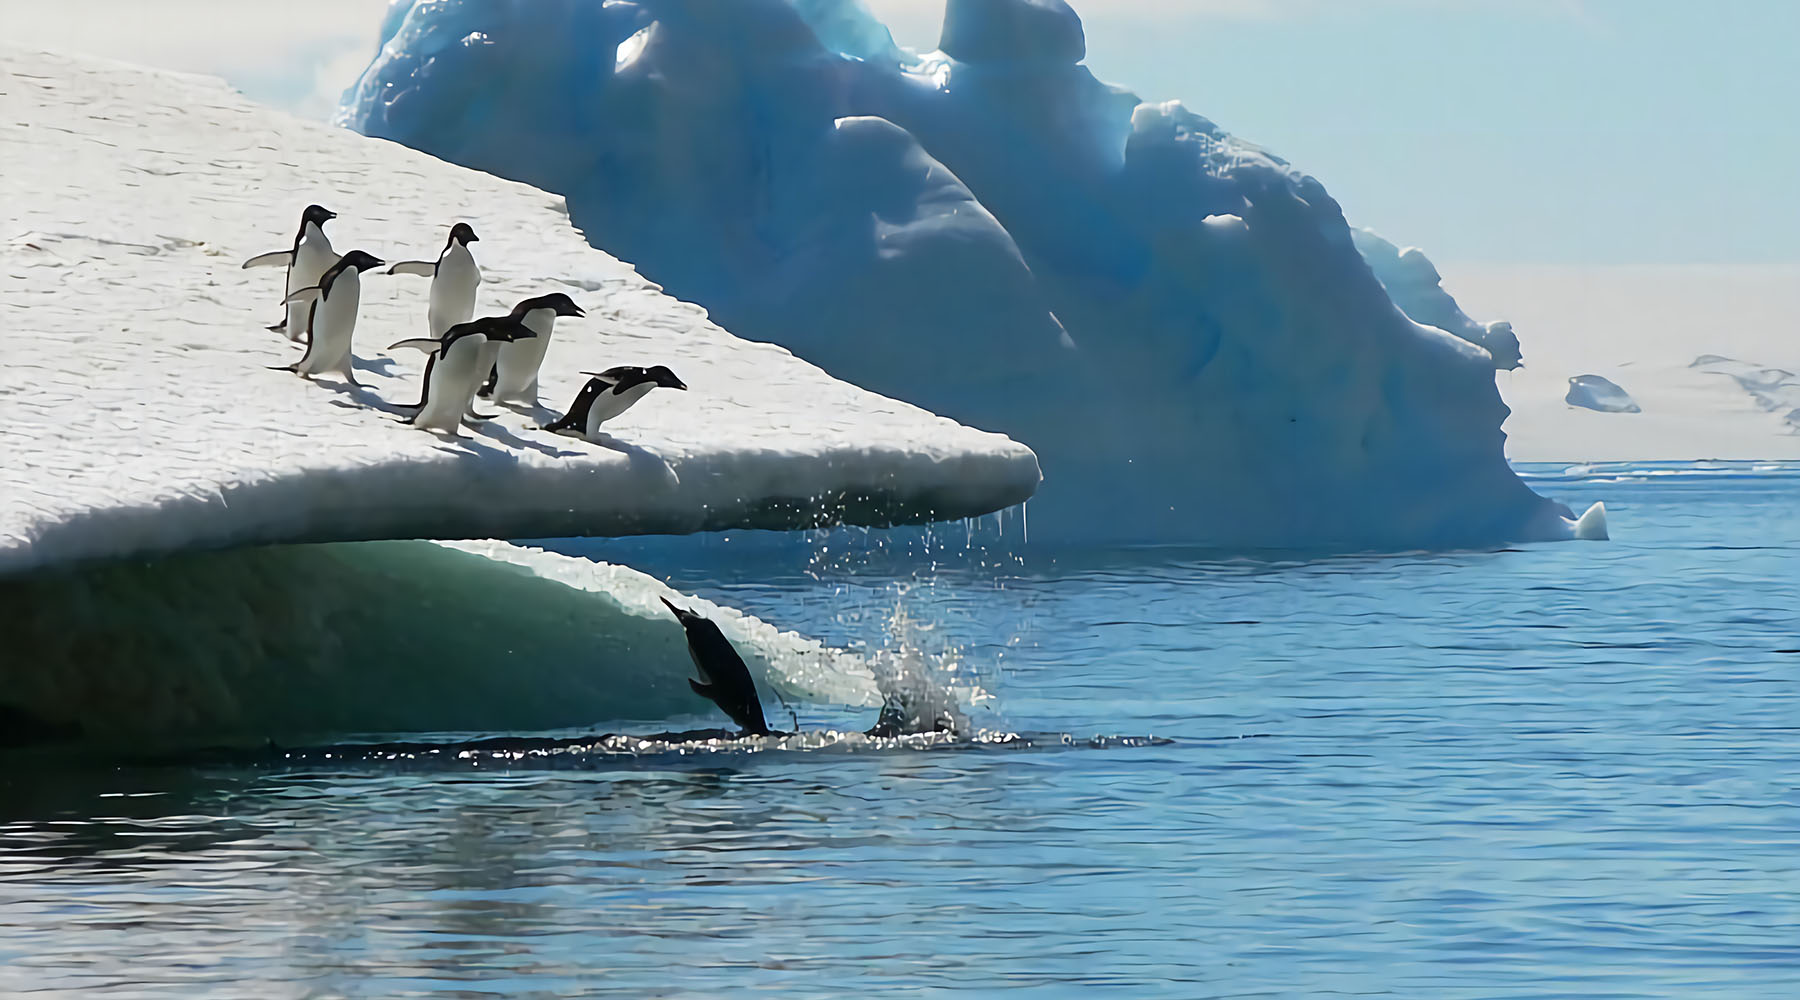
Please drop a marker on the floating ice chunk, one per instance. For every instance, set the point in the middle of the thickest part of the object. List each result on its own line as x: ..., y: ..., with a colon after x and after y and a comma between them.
x: 1593, y: 392
x: 631, y: 48
x: 1591, y: 525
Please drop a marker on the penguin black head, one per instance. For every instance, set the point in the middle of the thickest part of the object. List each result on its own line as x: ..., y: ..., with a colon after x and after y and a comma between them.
x: 318, y: 215
x: 463, y: 233
x: 662, y: 376
x: 361, y: 260
x: 562, y: 304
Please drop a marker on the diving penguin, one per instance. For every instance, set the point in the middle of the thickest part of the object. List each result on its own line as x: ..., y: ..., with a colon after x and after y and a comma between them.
x: 453, y: 370
x: 610, y: 393
x: 724, y: 679
x: 330, y: 317
x: 305, y: 261
x: 454, y: 278
x: 514, y: 377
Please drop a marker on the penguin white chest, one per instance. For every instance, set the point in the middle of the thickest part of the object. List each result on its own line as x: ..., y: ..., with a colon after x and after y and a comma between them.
x: 611, y: 404
x: 333, y: 326
x: 453, y: 289
x: 454, y: 377
x: 516, y: 366
x: 312, y: 258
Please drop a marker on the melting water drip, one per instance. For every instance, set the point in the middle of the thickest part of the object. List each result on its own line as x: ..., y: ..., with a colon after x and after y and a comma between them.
x: 928, y: 681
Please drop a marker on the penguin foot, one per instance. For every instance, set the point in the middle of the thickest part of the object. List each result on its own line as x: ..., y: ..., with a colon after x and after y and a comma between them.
x: 483, y: 417
x: 285, y: 368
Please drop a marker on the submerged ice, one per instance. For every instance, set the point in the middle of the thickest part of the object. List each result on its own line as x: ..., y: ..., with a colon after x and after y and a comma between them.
x: 1181, y: 324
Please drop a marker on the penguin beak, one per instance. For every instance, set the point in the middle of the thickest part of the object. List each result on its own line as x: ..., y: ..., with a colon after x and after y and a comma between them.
x: 676, y: 383
x: 329, y: 215
x: 473, y: 239
x: 578, y: 311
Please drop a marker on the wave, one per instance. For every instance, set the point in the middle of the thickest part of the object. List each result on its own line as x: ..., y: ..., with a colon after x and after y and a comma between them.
x: 296, y: 643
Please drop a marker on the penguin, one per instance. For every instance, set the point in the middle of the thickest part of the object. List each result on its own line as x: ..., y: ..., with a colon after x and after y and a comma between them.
x: 514, y: 377
x: 454, y: 278
x: 453, y: 370
x: 305, y: 261
x: 610, y: 393
x: 724, y: 680
x: 330, y: 317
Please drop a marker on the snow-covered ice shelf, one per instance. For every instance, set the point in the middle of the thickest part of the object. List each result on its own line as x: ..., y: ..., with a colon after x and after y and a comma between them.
x: 137, y: 415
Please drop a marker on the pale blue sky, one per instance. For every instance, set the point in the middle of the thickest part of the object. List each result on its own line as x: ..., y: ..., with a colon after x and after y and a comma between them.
x: 1486, y: 131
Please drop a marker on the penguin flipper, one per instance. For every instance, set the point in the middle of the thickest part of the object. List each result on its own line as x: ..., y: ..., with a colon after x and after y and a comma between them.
x: 422, y: 268
x: 301, y: 295
x: 279, y: 326
x: 284, y: 368
x: 426, y: 344
x: 703, y: 690
x: 274, y: 258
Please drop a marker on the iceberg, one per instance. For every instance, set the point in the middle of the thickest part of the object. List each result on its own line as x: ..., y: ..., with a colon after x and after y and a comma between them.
x: 1178, y: 322
x: 159, y: 476
x: 1413, y: 282
x: 1596, y: 392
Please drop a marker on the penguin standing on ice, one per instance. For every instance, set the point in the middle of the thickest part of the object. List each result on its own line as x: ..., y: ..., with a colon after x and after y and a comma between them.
x: 305, y: 261
x: 454, y: 279
x: 453, y: 371
x: 330, y: 317
x: 724, y: 680
x: 514, y: 378
x: 610, y: 393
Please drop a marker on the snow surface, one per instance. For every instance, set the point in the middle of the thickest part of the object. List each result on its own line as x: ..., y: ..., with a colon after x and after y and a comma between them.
x: 1178, y: 322
x: 137, y: 414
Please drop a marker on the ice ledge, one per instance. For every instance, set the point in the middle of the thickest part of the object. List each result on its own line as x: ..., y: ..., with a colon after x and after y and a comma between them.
x: 137, y: 417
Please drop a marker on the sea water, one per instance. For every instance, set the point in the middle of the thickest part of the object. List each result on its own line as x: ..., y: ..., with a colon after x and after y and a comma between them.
x: 1551, y: 770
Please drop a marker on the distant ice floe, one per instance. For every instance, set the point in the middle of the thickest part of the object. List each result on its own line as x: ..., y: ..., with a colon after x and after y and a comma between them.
x: 1594, y: 392
x: 1178, y: 322
x: 1774, y: 389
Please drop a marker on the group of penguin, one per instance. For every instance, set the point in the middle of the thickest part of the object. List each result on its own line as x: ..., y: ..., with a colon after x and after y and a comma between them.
x: 493, y: 357
x: 496, y: 357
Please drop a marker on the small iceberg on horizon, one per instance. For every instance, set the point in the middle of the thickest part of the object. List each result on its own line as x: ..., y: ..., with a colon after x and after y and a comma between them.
x: 1594, y: 392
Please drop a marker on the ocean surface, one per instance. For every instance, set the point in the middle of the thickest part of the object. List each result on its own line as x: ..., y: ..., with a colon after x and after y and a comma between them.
x: 1564, y: 770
